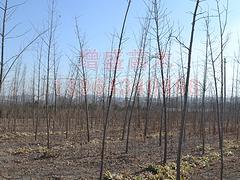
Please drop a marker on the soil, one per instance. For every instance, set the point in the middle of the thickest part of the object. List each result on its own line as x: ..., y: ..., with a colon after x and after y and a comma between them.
x: 21, y: 156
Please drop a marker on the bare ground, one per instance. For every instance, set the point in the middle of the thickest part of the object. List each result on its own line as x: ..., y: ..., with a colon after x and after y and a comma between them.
x: 21, y: 157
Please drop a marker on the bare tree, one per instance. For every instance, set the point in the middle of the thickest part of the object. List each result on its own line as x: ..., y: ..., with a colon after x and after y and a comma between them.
x: 141, y: 59
x: 179, y: 152
x: 112, y: 89
x: 49, y: 54
x: 39, y: 57
x: 81, y: 61
x: 6, y: 64
x: 203, y: 114
x: 159, y: 16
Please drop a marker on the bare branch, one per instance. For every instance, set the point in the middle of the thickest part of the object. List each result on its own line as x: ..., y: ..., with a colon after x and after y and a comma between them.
x: 21, y: 52
x: 181, y: 43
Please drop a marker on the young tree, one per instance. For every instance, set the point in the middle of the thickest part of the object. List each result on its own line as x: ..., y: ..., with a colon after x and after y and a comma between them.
x: 49, y: 56
x: 159, y: 17
x: 179, y: 152
x: 203, y: 114
x: 112, y: 89
x: 39, y: 57
x: 222, y: 28
x: 6, y: 64
x: 141, y: 59
x: 81, y: 61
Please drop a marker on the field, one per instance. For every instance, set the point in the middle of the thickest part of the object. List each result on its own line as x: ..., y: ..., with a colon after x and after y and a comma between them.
x: 155, y: 98
x: 21, y: 157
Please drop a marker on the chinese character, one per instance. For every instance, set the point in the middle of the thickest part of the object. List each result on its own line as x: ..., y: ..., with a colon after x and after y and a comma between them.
x: 91, y: 57
x: 99, y: 87
x: 125, y: 88
x: 194, y: 87
x: 71, y: 87
x: 110, y: 60
x: 180, y: 86
x: 135, y: 58
x: 58, y: 87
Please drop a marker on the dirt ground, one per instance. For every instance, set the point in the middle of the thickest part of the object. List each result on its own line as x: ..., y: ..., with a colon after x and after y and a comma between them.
x: 21, y: 157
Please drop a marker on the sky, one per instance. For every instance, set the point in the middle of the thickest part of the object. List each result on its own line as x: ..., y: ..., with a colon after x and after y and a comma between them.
x: 99, y: 19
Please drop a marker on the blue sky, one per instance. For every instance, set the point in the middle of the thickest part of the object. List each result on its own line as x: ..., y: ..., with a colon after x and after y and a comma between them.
x: 98, y: 19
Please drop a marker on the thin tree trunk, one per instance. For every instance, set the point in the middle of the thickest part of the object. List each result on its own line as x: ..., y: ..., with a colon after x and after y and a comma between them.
x: 179, y: 152
x: 111, y: 92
